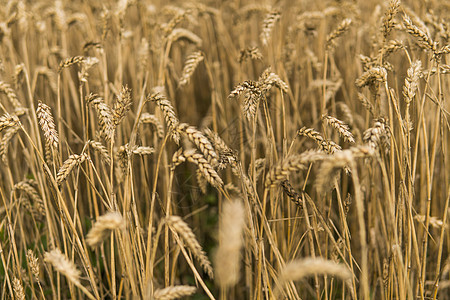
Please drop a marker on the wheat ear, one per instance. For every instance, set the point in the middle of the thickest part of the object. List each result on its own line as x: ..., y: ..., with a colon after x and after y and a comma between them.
x: 190, y: 65
x: 174, y: 292
x: 43, y: 113
x: 183, y: 230
x: 103, y: 226
x: 228, y: 255
x: 68, y: 166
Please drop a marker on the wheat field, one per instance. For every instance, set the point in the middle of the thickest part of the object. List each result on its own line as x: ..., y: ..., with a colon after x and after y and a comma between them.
x: 224, y: 149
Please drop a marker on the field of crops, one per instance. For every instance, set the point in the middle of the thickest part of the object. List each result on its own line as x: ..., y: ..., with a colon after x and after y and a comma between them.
x: 224, y: 149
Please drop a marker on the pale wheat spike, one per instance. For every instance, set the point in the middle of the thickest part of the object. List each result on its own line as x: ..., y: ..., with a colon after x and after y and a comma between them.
x: 378, y: 135
x: 10, y: 94
x: 122, y: 105
x: 8, y: 120
x: 69, y: 62
x: 33, y: 262
x: 105, y: 115
x: 102, y: 228
x: 412, y: 80
x: 6, y: 138
x: 410, y: 88
x: 44, y: 114
x: 205, y: 167
x: 185, y: 232
x: 97, y: 146
x: 388, y: 19
x: 298, y: 269
x: 390, y: 47
x: 252, y: 97
x: 199, y: 140
x: 375, y: 74
x: 68, y: 166
x: 332, y: 164
x: 32, y: 193
x: 324, y: 144
x: 190, y: 65
x: 341, y: 127
x: 290, y: 164
x: 143, y: 150
x: 169, y: 27
x: 174, y: 292
x: 62, y: 265
x: 158, y: 96
x: 434, y: 222
x: 228, y: 255
x: 181, y: 33
x: 424, y: 41
x: 19, y: 293
x: 147, y: 118
x: 268, y: 25
x: 340, y: 30
x: 269, y: 79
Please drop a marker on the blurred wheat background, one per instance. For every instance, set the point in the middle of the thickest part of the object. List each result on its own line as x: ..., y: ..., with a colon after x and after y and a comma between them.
x: 224, y: 149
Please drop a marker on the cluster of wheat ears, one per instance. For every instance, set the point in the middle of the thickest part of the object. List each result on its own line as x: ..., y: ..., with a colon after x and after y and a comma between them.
x: 224, y: 149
